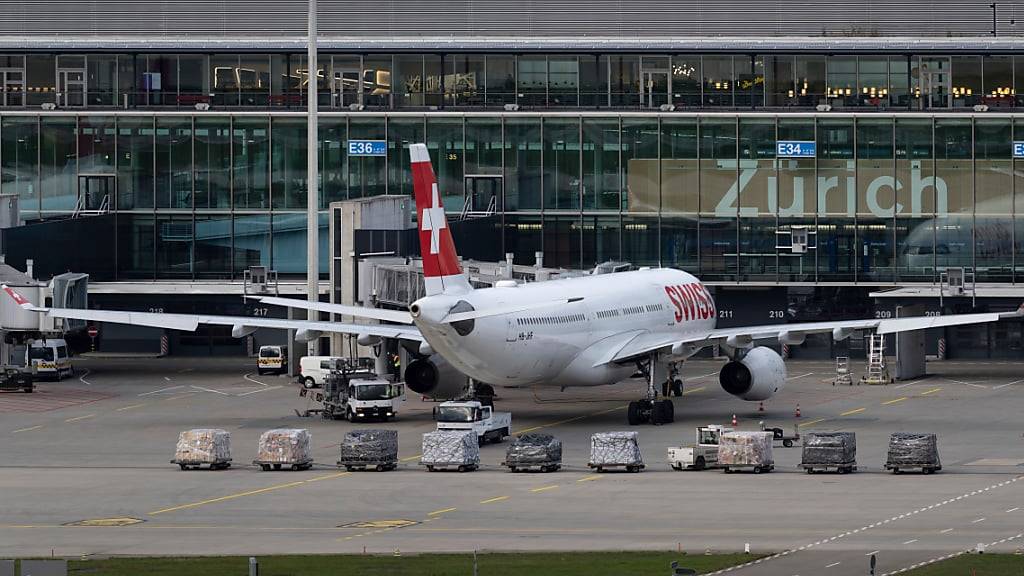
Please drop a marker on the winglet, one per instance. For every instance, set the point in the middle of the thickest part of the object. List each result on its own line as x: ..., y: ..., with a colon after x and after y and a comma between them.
x: 21, y: 300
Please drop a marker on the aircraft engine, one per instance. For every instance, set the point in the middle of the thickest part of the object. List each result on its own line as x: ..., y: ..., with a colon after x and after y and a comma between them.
x: 758, y: 376
x: 435, y: 377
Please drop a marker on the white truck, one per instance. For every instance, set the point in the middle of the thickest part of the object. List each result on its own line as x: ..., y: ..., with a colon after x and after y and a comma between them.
x: 490, y: 426
x: 703, y: 454
x: 356, y: 395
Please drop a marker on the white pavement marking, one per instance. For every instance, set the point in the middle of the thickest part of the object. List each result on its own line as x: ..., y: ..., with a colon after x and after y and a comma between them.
x: 210, y: 390
x: 83, y: 380
x: 1007, y: 384
x: 946, y: 531
x: 183, y: 370
x: 1013, y: 510
x: 873, y: 553
x: 978, y: 386
x: 259, y: 390
x: 977, y: 520
x: 253, y: 380
x: 904, y: 385
x: 162, y: 390
x: 167, y: 378
x: 833, y: 564
x: 953, y: 555
x: 910, y: 541
x: 800, y: 376
x: 882, y: 523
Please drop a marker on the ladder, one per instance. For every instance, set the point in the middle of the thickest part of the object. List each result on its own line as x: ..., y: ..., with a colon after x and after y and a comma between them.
x: 843, y: 374
x: 877, y: 372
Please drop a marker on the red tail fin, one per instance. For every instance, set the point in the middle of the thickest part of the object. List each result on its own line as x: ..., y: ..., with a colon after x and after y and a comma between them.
x: 441, y: 270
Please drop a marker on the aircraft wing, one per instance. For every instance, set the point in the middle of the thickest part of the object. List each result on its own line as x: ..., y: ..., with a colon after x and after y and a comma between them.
x: 742, y: 336
x: 190, y: 322
x: 399, y: 316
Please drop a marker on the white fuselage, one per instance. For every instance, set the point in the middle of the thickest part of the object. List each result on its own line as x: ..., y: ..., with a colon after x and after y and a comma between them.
x: 566, y: 344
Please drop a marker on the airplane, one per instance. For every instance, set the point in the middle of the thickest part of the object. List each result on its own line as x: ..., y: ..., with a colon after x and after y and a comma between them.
x: 590, y: 330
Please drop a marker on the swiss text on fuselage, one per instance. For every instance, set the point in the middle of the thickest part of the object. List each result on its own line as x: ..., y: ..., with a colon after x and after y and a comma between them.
x: 691, y: 301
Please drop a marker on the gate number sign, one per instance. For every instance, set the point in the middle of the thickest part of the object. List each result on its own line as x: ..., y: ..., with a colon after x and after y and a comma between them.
x: 367, y: 148
x: 1018, y: 149
x: 795, y: 149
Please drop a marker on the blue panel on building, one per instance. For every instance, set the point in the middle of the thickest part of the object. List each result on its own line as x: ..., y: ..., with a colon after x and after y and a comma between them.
x: 367, y: 148
x: 1018, y: 149
x: 795, y: 149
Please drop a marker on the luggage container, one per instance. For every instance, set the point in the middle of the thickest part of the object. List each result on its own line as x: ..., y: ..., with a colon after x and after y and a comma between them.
x: 199, y: 446
x: 369, y: 449
x: 911, y: 450
x: 284, y: 448
x: 829, y: 452
x: 541, y: 452
x: 746, y: 451
x: 451, y: 450
x: 609, y: 450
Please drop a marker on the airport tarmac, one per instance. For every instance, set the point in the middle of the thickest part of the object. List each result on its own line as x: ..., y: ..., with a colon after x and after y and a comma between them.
x: 96, y: 448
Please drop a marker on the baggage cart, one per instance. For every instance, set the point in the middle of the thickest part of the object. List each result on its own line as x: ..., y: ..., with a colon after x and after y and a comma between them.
x: 199, y: 446
x: 284, y: 448
x: 779, y: 435
x: 451, y: 450
x: 534, y: 452
x: 910, y: 451
x: 829, y: 452
x: 746, y: 451
x: 615, y: 450
x: 369, y: 450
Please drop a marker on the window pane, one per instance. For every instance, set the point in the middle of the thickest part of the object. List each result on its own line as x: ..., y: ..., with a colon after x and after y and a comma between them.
x: 718, y: 193
x: 96, y: 145
x: 224, y: 79
x: 797, y: 184
x: 377, y: 81
x: 810, y: 80
x: 686, y: 80
x: 445, y: 142
x: 42, y: 75
x: 408, y: 80
x: 593, y: 84
x: 522, y: 163
x: 873, y: 80
x: 135, y: 162
x: 174, y: 238
x: 463, y: 84
x: 213, y: 246
x: 718, y: 80
x: 680, y: 182
x: 563, y: 81
x: 624, y: 81
x: 101, y: 80
x: 640, y: 141
x: 251, y: 242
x: 401, y: 133
x: 533, y: 80
x: 367, y: 175
x: 836, y: 182
x: 782, y: 89
x: 967, y: 89
x: 251, y: 157
x: 213, y: 162
x: 19, y: 146
x: 561, y: 163
x: 135, y: 246
x: 483, y: 146
x: 173, y: 163
x: 601, y: 179
x: 58, y: 163
x: 254, y: 79
x: 998, y: 81
x: 192, y: 77
x: 289, y: 242
x: 333, y: 171
x: 288, y: 162
x: 501, y: 80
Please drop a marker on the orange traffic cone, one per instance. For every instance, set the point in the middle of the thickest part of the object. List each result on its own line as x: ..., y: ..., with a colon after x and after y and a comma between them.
x: 797, y: 410
x: 760, y: 406
x: 734, y: 420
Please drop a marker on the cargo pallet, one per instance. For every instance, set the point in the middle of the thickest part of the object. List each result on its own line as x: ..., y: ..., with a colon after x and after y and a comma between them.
x: 446, y: 466
x: 844, y: 468
x: 925, y: 468
x: 755, y: 468
x: 378, y: 465
x: 196, y: 464
x: 267, y: 465
x: 551, y: 466
x: 627, y: 467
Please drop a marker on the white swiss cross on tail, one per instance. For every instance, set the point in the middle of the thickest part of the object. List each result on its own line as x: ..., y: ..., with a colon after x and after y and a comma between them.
x: 434, y: 220
x: 441, y: 270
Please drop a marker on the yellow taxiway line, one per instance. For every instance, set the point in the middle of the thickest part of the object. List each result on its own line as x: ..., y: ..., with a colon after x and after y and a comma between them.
x: 854, y: 411
x: 495, y: 499
x: 893, y: 401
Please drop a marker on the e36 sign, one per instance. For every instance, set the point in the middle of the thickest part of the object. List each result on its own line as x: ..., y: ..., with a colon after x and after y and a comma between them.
x: 367, y: 148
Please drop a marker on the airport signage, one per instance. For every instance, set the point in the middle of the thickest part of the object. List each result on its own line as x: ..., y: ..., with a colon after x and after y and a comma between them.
x: 1018, y: 149
x: 367, y: 148
x: 795, y: 149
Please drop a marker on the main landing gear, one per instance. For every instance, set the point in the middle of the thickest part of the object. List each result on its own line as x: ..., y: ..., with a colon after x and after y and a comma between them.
x: 651, y: 409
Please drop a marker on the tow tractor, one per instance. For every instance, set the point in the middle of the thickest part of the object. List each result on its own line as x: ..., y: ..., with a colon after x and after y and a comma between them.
x: 703, y: 454
x: 473, y: 415
x: 354, y: 393
x: 13, y: 378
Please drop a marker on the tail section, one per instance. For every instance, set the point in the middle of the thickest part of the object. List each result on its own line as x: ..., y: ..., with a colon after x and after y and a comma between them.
x: 441, y: 270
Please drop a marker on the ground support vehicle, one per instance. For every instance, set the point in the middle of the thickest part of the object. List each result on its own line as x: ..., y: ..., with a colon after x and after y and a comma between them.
x: 355, y: 394
x: 488, y: 425
x: 700, y: 455
x: 272, y: 360
x: 14, y: 379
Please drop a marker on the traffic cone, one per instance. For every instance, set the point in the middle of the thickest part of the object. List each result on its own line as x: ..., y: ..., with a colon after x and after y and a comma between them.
x: 797, y: 410
x: 734, y: 420
x: 760, y: 406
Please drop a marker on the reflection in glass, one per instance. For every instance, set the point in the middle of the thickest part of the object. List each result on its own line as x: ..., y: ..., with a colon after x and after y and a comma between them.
x: 251, y: 162
x: 135, y: 179
x: 174, y: 239
x: 213, y: 246
x: 522, y: 163
x: 58, y: 163
x: 288, y: 162
x: 173, y: 163
x: 212, y: 156
x: 680, y: 180
x: 367, y: 174
x: 136, y: 245
x: 562, y: 163
x: 601, y: 180
x: 19, y: 161
x: 251, y: 245
x: 445, y: 142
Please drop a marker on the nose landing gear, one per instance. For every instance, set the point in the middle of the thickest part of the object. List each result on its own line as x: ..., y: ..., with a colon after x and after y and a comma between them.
x: 651, y: 409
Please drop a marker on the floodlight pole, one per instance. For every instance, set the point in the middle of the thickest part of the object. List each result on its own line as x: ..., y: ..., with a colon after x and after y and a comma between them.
x: 312, y: 177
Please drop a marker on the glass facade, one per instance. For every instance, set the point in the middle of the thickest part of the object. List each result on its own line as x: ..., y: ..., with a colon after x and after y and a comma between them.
x: 531, y: 80
x: 886, y: 198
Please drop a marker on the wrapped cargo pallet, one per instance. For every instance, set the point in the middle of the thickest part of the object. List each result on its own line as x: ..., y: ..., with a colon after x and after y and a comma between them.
x: 746, y: 450
x: 616, y: 449
x: 203, y: 446
x: 363, y: 449
x: 909, y: 450
x: 830, y: 451
x: 445, y: 449
x: 533, y: 450
x: 284, y: 447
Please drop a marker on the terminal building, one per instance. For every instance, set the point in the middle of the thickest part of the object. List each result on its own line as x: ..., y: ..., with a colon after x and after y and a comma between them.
x: 830, y: 163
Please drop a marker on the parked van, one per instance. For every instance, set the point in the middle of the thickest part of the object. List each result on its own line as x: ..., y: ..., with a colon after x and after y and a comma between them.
x: 272, y: 359
x: 49, y: 358
x: 313, y: 370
